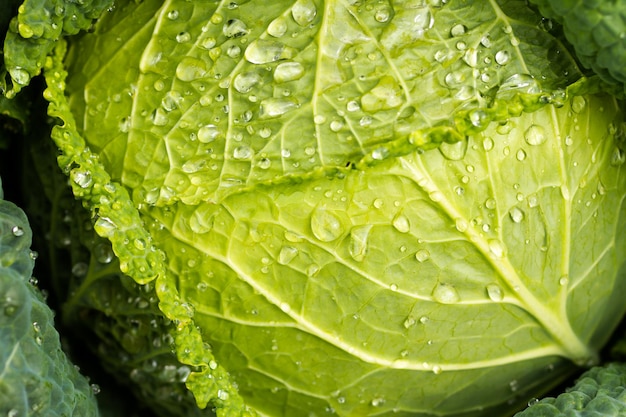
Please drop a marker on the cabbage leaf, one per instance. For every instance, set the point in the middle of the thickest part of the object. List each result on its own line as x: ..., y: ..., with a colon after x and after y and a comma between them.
x: 352, y: 207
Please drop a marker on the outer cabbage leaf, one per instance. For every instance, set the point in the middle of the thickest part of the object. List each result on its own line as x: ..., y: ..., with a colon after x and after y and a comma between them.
x: 36, y: 377
x: 596, y: 30
x: 424, y: 284
x: 334, y: 269
x: 598, y: 392
x: 33, y: 32
x: 212, y: 91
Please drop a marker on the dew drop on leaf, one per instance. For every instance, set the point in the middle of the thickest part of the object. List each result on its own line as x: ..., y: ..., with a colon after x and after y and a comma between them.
x: 358, y: 242
x: 496, y: 248
x: 17, y: 231
x: 535, y: 135
x: 288, y: 71
x: 277, y: 27
x: 190, y: 69
x: 325, y: 225
x: 208, y: 133
x: 303, y: 12
x: 234, y: 28
x: 409, y: 322
x: 461, y: 225
x: 578, y: 104
x: 502, y: 57
x: 244, y: 82
x: 276, y: 106
x: 265, y: 51
x: 454, y: 151
x: 516, y: 214
x: 287, y: 254
x: 494, y: 292
x: 401, y: 223
x: 422, y: 255
x: 242, y: 153
x: 445, y: 293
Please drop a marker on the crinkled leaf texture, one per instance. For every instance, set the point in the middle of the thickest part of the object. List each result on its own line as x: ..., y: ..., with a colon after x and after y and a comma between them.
x: 598, y: 392
x: 36, y: 377
x: 282, y: 195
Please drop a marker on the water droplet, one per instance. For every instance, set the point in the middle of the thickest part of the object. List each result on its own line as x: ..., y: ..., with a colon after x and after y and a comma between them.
x: 502, y: 57
x: 208, y: 43
x: 82, y: 178
x: 488, y: 144
x: 243, y: 152
x: 358, y: 242
x: 520, y: 155
x: 277, y: 27
x: 563, y: 281
x: 382, y: 15
x: 353, y: 106
x: 208, y: 133
x: 265, y: 132
x: 377, y: 402
x: 325, y: 225
x: 437, y: 369
x: 490, y: 203
x: 201, y: 221
x: 264, y: 163
x: 80, y: 269
x: 516, y: 214
x: 393, y: 287
x: 380, y: 153
x: 303, y: 12
x: 19, y: 75
x: 454, y: 151
x: 618, y: 157
x: 244, y: 82
x: 401, y: 223
x: 409, y: 322
x: 190, y: 69
x: 104, y: 226
x: 276, y: 106
x: 233, y: 51
x: 495, y: 293
x: 183, y: 37
x: 496, y: 248
x: 535, y: 135
x: 234, y: 28
x: 172, y: 14
x: 312, y: 270
x: 461, y: 225
x: 287, y: 254
x: 458, y: 30
x: 445, y: 293
x: 265, y: 51
x: 336, y: 125
x: 288, y: 71
x: 578, y: 104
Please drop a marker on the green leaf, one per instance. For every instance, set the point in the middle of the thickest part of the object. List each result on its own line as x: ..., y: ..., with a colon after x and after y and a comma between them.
x: 596, y: 30
x: 34, y: 31
x: 115, y: 219
x: 213, y: 93
x: 363, y: 208
x: 598, y: 392
x: 36, y: 377
x: 491, y: 262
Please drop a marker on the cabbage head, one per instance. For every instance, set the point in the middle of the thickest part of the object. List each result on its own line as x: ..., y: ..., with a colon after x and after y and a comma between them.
x: 351, y: 208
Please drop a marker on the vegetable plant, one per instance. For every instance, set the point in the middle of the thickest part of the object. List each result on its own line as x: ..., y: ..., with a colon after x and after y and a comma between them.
x: 308, y: 208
